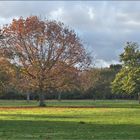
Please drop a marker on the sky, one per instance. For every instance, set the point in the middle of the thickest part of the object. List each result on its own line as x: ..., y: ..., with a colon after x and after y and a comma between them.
x: 104, y: 26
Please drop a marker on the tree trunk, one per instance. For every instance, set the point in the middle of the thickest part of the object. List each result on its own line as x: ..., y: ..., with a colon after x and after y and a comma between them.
x: 59, y: 96
x: 93, y: 97
x: 41, y: 100
x: 28, y: 96
x: 41, y: 95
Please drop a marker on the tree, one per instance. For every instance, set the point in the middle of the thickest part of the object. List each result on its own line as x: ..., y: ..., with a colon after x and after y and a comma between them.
x: 115, y: 67
x: 128, y: 79
x: 88, y: 81
x: 68, y: 81
x: 96, y: 82
x: 102, y: 78
x: 23, y: 83
x: 44, y: 50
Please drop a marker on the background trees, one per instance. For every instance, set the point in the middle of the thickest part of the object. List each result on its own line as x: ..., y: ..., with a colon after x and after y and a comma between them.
x: 99, y: 82
x: 44, y: 50
x: 48, y: 58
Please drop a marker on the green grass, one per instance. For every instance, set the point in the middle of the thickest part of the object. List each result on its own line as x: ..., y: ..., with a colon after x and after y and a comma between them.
x: 75, y: 103
x: 107, y: 120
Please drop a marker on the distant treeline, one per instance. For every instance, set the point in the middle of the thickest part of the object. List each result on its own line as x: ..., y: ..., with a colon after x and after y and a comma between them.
x: 100, y: 88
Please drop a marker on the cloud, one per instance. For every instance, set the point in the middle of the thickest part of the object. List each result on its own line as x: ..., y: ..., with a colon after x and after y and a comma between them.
x: 57, y: 14
x: 104, y: 26
x: 102, y: 63
x: 91, y: 13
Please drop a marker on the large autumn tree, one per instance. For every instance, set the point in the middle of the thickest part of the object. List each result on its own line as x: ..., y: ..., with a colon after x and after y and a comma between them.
x: 128, y: 79
x: 44, y: 50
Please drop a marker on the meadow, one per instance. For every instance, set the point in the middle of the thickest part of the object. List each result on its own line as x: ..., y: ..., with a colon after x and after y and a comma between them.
x: 70, y: 120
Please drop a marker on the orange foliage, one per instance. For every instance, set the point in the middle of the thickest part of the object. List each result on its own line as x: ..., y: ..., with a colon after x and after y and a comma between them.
x: 48, y: 53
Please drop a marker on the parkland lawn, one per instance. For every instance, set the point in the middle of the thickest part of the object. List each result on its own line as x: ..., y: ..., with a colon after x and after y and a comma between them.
x: 70, y: 120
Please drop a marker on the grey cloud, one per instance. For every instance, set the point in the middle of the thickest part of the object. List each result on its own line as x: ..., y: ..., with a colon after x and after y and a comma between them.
x: 105, y: 26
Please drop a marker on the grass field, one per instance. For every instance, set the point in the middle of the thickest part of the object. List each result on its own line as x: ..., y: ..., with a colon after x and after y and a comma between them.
x: 102, y: 120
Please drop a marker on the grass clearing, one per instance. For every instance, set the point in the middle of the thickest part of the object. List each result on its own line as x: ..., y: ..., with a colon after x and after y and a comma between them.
x: 107, y: 120
x: 73, y: 103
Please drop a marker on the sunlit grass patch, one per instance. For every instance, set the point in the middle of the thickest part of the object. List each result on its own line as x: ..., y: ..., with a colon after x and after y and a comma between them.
x: 60, y: 123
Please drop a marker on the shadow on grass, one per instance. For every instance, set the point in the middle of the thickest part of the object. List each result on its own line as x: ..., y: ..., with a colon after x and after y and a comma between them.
x: 59, y: 130
x: 72, y: 104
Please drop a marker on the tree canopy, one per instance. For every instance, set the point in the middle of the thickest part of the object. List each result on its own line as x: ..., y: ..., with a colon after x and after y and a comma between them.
x: 128, y: 79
